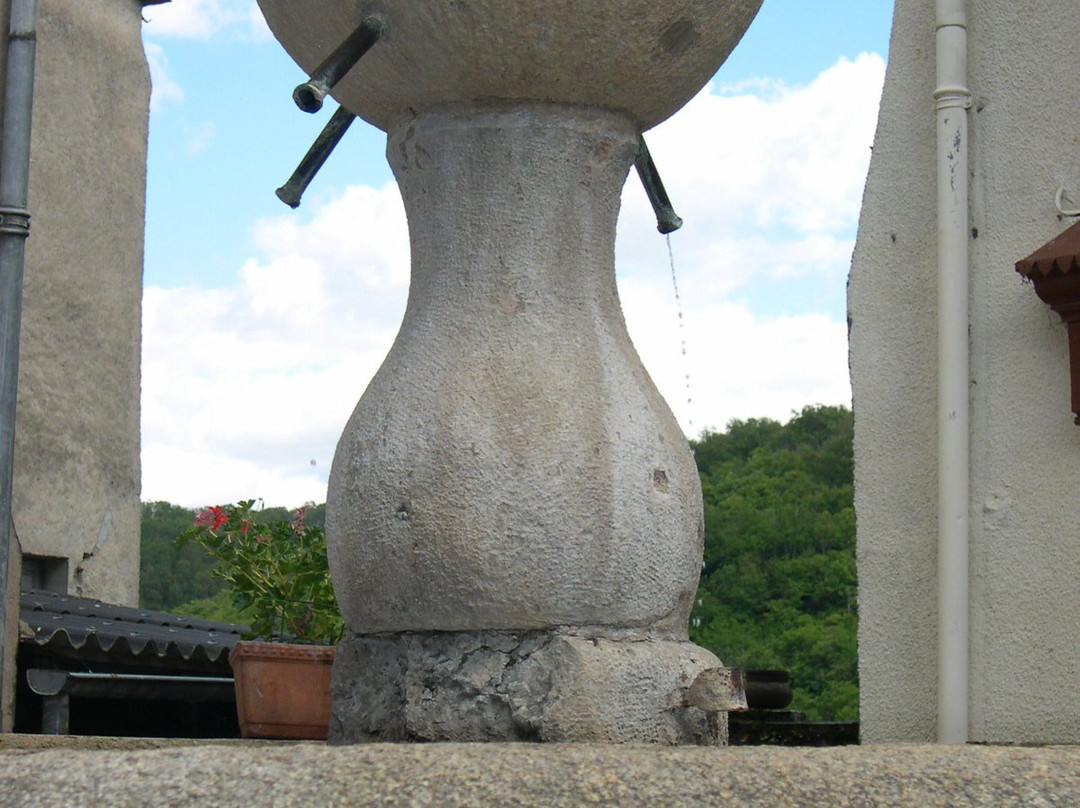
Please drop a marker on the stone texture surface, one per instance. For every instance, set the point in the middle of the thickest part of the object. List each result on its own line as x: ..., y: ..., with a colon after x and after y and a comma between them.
x: 77, y: 471
x: 512, y: 465
x: 536, y: 686
x: 240, y: 775
x: 639, y: 56
x: 1025, y: 457
x: 895, y: 423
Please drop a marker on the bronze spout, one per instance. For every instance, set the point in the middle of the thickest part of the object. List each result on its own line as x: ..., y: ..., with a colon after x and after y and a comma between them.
x: 324, y: 144
x: 667, y: 220
x: 309, y: 95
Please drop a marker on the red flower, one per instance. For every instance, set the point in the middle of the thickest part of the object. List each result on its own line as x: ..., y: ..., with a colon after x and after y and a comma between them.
x: 212, y: 518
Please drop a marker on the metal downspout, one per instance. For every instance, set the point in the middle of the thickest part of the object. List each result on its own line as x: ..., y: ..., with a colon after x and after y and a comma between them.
x: 14, y: 228
x: 953, y: 99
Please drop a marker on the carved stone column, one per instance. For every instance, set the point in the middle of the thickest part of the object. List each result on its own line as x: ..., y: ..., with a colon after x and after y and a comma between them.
x: 514, y: 516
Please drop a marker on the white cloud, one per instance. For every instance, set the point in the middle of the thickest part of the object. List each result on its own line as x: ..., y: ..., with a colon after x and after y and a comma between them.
x: 745, y: 171
x: 244, y: 386
x: 163, y: 88
x: 202, y: 19
x: 258, y: 30
x: 769, y: 180
x: 193, y: 19
x: 737, y: 364
x: 263, y: 374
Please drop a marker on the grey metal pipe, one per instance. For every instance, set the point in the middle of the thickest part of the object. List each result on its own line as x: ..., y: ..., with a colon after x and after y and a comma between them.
x: 309, y: 95
x: 56, y: 688
x: 667, y: 221
x: 320, y: 150
x: 14, y: 228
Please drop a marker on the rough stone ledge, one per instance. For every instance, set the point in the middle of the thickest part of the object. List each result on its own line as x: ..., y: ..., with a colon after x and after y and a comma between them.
x: 534, y: 776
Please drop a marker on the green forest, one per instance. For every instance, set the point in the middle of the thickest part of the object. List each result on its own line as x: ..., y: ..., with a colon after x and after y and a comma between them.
x: 181, y: 580
x: 778, y: 586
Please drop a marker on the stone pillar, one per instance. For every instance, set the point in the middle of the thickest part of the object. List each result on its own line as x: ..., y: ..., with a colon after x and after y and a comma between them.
x: 515, y: 515
x: 512, y: 466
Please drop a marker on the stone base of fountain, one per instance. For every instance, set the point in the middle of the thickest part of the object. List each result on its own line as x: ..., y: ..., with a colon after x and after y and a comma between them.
x: 554, y: 686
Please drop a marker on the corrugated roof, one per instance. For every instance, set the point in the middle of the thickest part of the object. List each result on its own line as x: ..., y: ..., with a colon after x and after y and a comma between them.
x: 64, y: 622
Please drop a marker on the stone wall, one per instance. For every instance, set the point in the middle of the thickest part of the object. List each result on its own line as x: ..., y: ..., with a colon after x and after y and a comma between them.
x: 77, y: 473
x: 1025, y: 449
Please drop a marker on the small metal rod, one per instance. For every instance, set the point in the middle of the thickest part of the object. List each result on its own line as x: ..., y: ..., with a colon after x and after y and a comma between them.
x: 309, y: 95
x: 667, y: 221
x: 324, y: 144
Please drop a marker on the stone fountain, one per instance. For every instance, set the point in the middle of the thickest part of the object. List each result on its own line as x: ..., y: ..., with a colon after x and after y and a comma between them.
x: 514, y: 517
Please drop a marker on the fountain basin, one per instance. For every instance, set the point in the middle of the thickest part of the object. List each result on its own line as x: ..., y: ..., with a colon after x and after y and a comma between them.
x: 642, y: 57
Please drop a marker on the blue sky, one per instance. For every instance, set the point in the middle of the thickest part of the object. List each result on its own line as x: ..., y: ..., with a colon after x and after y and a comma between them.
x: 262, y: 324
x: 217, y: 155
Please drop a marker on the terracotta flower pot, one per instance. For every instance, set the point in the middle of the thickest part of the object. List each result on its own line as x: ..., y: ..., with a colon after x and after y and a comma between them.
x: 282, y: 691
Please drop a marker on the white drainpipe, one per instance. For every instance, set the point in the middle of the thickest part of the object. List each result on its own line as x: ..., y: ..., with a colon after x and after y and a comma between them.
x: 953, y: 98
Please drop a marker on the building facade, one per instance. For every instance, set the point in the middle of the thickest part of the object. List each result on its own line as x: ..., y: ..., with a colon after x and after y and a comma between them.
x: 75, y: 498
x: 75, y: 502
x: 1022, y: 469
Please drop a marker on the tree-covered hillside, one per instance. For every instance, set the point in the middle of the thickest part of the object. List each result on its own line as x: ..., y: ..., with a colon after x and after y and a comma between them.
x: 181, y: 580
x: 169, y: 576
x: 778, y: 586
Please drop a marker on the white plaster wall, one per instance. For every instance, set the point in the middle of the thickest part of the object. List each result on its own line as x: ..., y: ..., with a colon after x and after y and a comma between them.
x: 891, y: 308
x: 76, y: 490
x: 1025, y: 456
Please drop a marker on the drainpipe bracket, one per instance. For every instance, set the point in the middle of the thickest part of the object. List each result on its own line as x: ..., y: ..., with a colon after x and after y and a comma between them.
x: 949, y: 97
x: 15, y: 221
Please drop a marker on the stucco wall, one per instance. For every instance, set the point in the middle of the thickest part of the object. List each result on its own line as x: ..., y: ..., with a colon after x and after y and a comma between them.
x: 1025, y: 455
x: 76, y: 489
x: 891, y: 307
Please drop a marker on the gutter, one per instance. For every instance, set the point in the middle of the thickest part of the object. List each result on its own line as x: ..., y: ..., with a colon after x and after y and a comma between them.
x: 14, y: 228
x: 952, y: 99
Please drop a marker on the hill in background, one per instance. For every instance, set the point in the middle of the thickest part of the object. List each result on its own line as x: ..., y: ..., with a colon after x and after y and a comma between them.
x: 778, y: 587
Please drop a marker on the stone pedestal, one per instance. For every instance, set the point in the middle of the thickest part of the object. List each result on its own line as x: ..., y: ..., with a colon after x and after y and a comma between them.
x: 512, y: 468
x: 530, y: 686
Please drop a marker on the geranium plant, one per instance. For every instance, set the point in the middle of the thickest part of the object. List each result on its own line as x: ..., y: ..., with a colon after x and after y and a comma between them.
x: 277, y: 571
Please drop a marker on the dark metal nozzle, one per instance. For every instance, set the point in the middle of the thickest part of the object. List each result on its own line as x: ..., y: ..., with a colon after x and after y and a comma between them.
x: 324, y: 144
x: 667, y: 221
x: 309, y: 95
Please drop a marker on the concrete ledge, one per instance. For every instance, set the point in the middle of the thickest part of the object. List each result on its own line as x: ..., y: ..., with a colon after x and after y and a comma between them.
x: 532, y: 776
